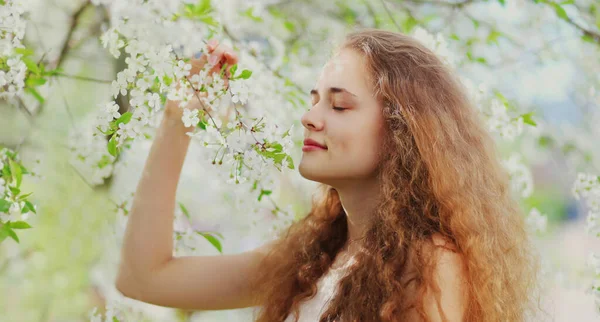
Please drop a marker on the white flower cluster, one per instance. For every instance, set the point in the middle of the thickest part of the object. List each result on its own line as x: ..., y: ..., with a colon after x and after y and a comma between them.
x: 436, y: 43
x: 19, y: 208
x: 500, y: 122
x: 88, y: 153
x: 118, y: 311
x: 240, y: 91
x: 593, y: 262
x: 536, y: 221
x: 238, y: 150
x: 12, y: 31
x: 495, y: 111
x: 187, y: 238
x: 521, y: 179
x: 588, y: 186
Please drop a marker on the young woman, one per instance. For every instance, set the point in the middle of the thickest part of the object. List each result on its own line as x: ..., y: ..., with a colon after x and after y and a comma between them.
x: 416, y: 221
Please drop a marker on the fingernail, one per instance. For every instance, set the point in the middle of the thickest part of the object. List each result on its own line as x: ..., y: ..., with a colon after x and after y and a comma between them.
x: 213, y: 59
x: 198, y: 55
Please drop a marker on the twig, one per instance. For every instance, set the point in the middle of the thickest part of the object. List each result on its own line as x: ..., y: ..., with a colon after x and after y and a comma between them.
x: 591, y: 34
x: 274, y: 72
x: 84, y: 78
x: 200, y: 101
x: 74, y: 21
x: 442, y: 3
x: 372, y: 13
x: 387, y: 10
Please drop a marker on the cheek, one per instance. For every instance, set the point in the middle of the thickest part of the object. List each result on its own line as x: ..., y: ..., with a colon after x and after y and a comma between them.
x: 362, y: 143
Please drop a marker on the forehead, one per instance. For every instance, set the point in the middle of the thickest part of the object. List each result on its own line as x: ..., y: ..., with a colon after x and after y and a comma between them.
x: 345, y: 69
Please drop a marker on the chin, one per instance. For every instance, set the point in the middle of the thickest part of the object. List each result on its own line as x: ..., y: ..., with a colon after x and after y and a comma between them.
x: 311, y: 173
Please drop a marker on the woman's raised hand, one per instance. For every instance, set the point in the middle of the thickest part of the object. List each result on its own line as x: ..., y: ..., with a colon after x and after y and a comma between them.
x: 218, y: 56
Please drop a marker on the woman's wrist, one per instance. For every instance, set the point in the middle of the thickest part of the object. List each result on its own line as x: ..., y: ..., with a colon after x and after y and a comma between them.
x: 172, y: 117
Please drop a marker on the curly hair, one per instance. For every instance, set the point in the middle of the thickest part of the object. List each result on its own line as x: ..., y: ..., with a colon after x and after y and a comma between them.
x: 440, y: 174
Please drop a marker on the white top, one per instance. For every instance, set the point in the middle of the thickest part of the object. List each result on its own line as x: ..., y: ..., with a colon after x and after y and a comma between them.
x: 312, y: 308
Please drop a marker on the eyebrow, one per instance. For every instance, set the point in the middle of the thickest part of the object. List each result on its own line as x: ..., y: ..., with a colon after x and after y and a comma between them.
x: 332, y: 90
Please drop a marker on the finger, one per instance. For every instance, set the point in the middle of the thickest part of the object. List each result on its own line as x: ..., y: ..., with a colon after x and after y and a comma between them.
x: 232, y: 58
x: 217, y: 54
x: 212, y: 44
x: 225, y: 54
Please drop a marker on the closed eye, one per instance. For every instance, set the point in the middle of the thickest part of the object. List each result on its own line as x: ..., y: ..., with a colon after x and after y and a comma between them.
x: 339, y: 108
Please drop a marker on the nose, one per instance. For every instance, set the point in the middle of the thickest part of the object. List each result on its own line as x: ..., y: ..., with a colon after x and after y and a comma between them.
x: 312, y: 121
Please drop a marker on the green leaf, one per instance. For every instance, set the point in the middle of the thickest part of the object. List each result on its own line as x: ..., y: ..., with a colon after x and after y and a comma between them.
x: 264, y: 193
x: 347, y: 13
x: 53, y: 72
x: 28, y: 206
x: 109, y: 131
x: 24, y: 51
x: 588, y: 38
x: 112, y: 146
x: 19, y: 225
x: 493, y: 37
x: 409, y: 24
x: 277, y: 147
x: 4, y: 205
x: 545, y: 141
x: 560, y: 11
x: 6, y: 171
x: 31, y: 65
x: 15, y: 170
x: 476, y: 59
x: 202, y: 124
x: 125, y: 118
x: 209, y: 20
x: 33, y: 81
x: 211, y: 239
x: 184, y: 210
x: 290, y: 26
x: 15, y: 191
x: 5, y: 231
x: 233, y: 69
x: 23, y: 197
x: 527, y: 119
x: 502, y: 2
x: 246, y: 74
x: 104, y: 161
x: 35, y: 94
x: 290, y: 162
x: 250, y: 14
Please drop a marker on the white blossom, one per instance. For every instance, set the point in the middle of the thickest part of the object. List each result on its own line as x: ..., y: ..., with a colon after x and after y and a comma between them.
x: 521, y: 178
x: 536, y: 221
x: 190, y: 117
x: 239, y: 90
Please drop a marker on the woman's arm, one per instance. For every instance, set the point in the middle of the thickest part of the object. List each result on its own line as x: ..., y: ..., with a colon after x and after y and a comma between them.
x: 148, y: 272
x: 148, y: 241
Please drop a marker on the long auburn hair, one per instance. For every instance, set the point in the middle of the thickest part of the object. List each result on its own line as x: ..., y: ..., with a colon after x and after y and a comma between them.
x: 440, y: 173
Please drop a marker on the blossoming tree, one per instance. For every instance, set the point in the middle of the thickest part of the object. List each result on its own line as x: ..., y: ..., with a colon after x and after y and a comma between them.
x: 247, y: 131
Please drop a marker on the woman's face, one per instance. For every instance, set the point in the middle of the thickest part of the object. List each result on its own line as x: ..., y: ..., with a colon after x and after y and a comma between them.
x: 347, y: 119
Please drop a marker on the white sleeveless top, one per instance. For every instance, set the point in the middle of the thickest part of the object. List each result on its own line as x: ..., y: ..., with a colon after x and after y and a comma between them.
x: 312, y: 308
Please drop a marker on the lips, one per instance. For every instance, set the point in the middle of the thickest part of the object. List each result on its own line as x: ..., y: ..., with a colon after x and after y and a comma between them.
x: 311, y: 142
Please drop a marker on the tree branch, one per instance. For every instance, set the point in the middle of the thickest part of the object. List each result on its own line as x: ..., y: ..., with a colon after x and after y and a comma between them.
x: 84, y: 78
x: 74, y: 22
x: 387, y: 10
